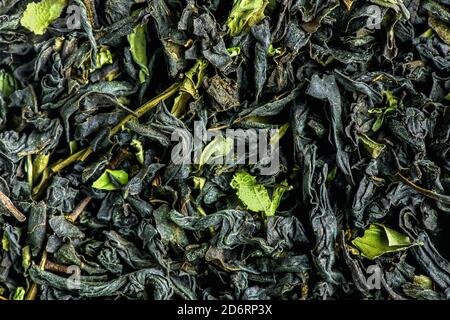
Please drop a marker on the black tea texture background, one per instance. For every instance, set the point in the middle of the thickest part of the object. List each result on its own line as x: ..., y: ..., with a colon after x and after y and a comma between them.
x: 94, y: 206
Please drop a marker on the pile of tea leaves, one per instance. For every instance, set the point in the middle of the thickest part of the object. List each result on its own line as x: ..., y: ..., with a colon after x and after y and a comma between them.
x: 355, y: 203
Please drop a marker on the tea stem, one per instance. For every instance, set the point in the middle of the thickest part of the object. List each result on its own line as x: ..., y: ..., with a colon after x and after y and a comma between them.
x: 51, y: 266
x: 90, y: 9
x: 427, y: 193
x: 32, y: 292
x: 7, y: 203
x: 78, y: 210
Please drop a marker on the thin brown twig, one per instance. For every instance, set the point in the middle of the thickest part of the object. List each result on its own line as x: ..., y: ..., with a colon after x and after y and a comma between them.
x: 79, y: 209
x: 51, y: 266
x: 90, y: 12
x: 7, y: 203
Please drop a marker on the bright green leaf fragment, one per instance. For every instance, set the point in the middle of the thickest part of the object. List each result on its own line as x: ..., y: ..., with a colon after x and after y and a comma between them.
x: 8, y: 84
x: 234, y: 51
x: 272, y: 51
x: 373, y: 148
x: 216, y: 150
x: 379, y: 239
x: 103, y: 57
x: 427, y: 34
x: 423, y: 281
x: 111, y: 180
x: 189, y: 87
x: 26, y: 257
x: 5, y: 241
x: 40, y: 163
x: 255, y: 196
x: 38, y: 16
x: 73, y: 146
x: 19, y: 294
x: 138, y: 48
x: 245, y: 14
x: 391, y: 106
x: 199, y: 183
x: 139, y: 150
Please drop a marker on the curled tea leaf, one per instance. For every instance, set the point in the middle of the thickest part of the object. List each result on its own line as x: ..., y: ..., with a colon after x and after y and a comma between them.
x: 189, y: 87
x: 40, y: 163
x: 373, y: 148
x: 379, y: 239
x: 64, y: 228
x: 219, y: 147
x: 111, y: 180
x: 103, y: 57
x: 138, y: 48
x: 391, y: 101
x: 139, y: 150
x: 245, y: 14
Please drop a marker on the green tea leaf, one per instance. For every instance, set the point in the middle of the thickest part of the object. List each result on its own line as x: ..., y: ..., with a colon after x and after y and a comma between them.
x: 199, y: 182
x: 332, y: 174
x: 5, y: 241
x: 107, y: 179
x: 373, y: 148
x: 255, y: 196
x: 245, y: 14
x: 219, y: 147
x: 138, y: 48
x: 103, y: 57
x: 189, y: 87
x: 19, y: 294
x: 379, y: 239
x: 234, y: 51
x: 423, y: 281
x: 26, y: 257
x: 427, y: 34
x: 73, y: 146
x: 252, y: 194
x: 40, y: 163
x: 273, y: 52
x: 29, y: 170
x: 392, y: 104
x: 8, y: 84
x: 139, y: 150
x: 38, y: 16
x: 280, y: 133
